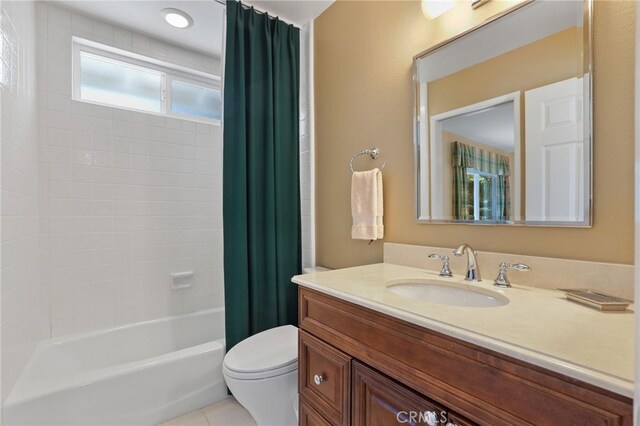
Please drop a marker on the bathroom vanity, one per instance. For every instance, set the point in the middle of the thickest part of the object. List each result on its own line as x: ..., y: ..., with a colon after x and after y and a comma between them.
x: 392, y: 343
x: 369, y: 356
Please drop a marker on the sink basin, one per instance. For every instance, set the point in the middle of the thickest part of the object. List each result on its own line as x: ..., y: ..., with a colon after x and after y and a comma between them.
x: 454, y: 294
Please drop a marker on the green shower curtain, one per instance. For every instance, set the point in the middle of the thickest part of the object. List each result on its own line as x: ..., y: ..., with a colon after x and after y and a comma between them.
x: 261, y: 184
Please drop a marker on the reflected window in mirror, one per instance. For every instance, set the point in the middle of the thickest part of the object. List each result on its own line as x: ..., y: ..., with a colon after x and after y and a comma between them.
x: 484, y: 196
x: 480, y: 188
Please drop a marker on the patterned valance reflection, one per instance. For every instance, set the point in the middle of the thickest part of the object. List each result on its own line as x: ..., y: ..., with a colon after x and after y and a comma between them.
x: 471, y: 157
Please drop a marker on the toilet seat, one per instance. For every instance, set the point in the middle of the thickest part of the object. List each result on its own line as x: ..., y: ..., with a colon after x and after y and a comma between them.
x: 267, y: 354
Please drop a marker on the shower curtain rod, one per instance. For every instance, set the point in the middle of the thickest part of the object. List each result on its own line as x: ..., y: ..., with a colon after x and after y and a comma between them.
x: 263, y: 12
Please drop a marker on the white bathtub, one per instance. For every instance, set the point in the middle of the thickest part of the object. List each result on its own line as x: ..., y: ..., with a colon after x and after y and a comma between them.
x: 139, y: 374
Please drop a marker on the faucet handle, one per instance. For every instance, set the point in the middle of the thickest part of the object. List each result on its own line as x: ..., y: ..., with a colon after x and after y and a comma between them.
x: 445, y: 271
x: 502, y: 280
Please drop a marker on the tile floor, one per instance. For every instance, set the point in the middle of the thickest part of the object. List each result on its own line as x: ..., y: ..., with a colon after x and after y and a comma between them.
x: 227, y: 412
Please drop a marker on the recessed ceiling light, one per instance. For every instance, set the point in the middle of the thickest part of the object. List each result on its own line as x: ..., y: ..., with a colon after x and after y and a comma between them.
x: 177, y: 18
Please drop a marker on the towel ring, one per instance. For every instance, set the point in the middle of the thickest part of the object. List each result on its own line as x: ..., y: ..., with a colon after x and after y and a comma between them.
x: 373, y: 153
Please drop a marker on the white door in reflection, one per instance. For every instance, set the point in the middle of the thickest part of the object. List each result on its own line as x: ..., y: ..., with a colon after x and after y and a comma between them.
x: 555, y: 152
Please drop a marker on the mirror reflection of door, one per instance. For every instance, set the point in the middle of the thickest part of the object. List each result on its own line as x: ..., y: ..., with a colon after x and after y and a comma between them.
x: 555, y: 153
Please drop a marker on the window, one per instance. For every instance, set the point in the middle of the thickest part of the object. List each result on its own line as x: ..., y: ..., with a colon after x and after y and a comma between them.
x: 483, y: 195
x: 110, y: 82
x: 193, y: 99
x: 113, y: 77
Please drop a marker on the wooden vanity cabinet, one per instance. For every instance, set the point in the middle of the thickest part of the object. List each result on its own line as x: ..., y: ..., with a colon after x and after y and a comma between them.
x: 377, y: 367
x: 349, y: 392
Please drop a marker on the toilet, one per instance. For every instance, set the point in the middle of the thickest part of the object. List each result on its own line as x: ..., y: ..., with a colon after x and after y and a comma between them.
x: 262, y: 373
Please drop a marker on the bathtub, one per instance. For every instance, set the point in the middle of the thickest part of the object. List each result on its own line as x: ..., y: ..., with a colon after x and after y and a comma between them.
x: 138, y: 374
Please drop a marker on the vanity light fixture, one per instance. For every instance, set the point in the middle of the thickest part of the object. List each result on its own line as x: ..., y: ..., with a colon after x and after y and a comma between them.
x: 434, y: 8
x: 177, y: 18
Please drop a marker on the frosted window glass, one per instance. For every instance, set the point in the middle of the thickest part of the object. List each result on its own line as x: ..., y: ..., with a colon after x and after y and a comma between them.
x: 116, y: 83
x: 190, y: 99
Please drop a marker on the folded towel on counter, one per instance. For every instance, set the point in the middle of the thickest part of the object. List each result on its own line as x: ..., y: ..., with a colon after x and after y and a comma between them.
x: 366, y: 205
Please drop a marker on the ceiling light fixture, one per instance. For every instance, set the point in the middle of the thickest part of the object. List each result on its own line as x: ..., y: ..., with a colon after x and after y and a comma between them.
x: 434, y: 8
x: 177, y: 18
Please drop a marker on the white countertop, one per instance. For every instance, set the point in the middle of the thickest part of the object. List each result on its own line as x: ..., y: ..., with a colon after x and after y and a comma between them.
x: 537, y: 326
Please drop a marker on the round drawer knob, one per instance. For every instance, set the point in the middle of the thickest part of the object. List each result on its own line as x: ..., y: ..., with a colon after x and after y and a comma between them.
x: 432, y: 418
x: 318, y: 379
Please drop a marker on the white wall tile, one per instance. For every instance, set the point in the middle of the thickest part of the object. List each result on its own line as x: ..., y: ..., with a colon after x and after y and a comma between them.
x: 305, y: 154
x: 124, y: 195
x: 23, y: 305
x: 122, y: 38
x: 58, y: 16
x: 103, y: 30
x: 80, y: 23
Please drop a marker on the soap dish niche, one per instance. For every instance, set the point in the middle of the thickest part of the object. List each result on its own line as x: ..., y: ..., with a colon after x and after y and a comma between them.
x: 182, y: 280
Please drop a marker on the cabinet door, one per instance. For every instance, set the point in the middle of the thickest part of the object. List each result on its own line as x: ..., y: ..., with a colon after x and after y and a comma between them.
x: 380, y: 401
x: 457, y: 420
x: 324, y: 378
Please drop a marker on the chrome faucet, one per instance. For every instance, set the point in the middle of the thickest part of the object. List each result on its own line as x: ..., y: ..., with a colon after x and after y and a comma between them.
x: 445, y: 271
x: 473, y: 270
x: 502, y: 280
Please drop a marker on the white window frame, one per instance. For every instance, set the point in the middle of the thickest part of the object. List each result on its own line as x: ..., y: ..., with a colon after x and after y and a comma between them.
x: 476, y: 193
x: 168, y: 72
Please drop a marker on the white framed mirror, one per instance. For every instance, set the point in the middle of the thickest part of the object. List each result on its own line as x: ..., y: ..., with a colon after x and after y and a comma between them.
x: 503, y: 128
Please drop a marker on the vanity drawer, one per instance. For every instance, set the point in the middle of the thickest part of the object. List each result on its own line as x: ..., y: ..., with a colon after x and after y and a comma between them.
x: 310, y: 417
x: 324, y: 379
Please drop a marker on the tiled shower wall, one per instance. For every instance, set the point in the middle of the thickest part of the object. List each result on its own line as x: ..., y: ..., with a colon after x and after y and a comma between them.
x: 305, y: 149
x: 127, y: 198
x: 100, y: 205
x: 23, y: 307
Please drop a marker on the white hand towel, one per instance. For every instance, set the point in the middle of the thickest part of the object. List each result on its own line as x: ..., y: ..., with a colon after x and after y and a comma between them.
x: 366, y: 205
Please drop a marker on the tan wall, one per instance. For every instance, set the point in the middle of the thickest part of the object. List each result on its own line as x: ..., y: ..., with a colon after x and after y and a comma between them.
x: 549, y: 60
x: 364, y: 98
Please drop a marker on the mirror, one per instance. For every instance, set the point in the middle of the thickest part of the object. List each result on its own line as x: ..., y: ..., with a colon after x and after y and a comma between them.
x: 503, y: 120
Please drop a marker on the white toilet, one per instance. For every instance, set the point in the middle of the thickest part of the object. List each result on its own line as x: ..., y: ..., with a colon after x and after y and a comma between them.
x: 262, y: 373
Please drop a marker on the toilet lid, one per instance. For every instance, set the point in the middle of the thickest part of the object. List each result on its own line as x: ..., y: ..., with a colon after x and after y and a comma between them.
x: 272, y: 349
